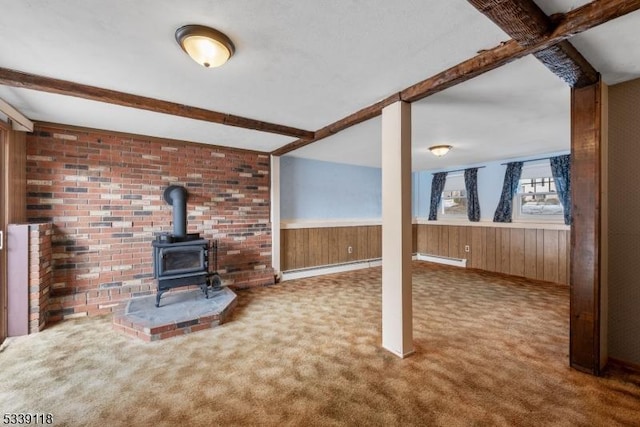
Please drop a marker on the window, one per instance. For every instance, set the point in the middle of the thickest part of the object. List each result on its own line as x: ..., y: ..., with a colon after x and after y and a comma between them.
x: 454, y: 197
x: 537, y: 198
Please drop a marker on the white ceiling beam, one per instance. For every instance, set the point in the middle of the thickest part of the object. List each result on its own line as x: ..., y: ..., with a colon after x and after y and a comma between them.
x: 19, y: 121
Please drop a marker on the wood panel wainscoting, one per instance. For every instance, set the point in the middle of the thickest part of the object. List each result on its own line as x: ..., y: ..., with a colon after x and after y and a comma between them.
x: 324, y: 246
x: 537, y: 252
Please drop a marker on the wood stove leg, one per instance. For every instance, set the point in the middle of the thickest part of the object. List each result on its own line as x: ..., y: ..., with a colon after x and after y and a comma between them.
x: 205, y: 288
x: 158, y: 296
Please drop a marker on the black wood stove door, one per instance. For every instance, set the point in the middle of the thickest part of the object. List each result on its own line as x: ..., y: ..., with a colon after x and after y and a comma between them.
x: 181, y: 260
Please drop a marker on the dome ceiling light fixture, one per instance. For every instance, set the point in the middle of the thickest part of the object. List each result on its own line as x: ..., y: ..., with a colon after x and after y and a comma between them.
x: 208, y: 47
x: 440, y: 150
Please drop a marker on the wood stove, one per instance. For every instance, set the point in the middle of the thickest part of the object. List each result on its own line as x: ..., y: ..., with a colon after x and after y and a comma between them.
x: 181, y: 259
x: 180, y: 263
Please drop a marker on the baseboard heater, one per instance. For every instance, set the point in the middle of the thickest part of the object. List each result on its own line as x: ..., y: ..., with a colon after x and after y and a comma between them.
x: 302, y: 273
x: 320, y: 270
x: 457, y: 262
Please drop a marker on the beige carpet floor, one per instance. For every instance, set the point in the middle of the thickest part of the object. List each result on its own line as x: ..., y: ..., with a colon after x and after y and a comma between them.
x: 490, y: 350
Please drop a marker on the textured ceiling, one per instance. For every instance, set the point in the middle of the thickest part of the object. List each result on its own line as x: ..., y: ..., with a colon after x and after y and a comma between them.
x: 303, y: 64
x: 490, y: 117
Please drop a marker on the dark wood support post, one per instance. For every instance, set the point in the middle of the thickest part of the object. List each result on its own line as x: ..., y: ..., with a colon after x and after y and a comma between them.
x: 586, y: 175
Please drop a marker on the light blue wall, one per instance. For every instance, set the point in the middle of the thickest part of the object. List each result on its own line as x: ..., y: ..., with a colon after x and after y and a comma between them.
x: 311, y: 189
x: 490, y: 179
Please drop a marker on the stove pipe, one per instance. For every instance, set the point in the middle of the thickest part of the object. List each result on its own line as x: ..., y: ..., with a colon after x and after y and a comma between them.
x: 176, y: 196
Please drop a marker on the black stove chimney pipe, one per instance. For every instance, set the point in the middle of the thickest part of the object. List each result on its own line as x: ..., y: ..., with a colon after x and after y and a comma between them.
x: 176, y: 196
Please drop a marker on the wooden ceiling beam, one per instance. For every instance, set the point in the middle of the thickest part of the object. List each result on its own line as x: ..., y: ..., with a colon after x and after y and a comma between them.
x: 342, y: 124
x: 523, y: 20
x: 566, y: 62
x: 486, y: 60
x: 527, y: 24
x: 566, y: 25
x: 46, y: 84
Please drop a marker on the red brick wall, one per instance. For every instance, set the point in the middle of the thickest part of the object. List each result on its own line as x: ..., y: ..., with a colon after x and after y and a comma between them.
x: 103, y: 193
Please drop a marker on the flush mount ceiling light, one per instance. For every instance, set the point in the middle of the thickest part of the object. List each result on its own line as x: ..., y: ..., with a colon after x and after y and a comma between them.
x: 206, y: 46
x: 440, y: 150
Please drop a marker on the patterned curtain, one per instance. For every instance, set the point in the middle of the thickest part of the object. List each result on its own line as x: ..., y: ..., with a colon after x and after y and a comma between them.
x: 437, y: 186
x: 561, y: 170
x: 471, y: 185
x: 509, y: 189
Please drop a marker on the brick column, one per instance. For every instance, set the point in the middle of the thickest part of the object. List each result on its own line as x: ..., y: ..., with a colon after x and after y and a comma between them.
x: 40, y: 273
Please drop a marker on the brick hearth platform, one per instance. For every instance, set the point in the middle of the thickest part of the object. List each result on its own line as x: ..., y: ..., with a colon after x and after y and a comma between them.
x: 179, y: 313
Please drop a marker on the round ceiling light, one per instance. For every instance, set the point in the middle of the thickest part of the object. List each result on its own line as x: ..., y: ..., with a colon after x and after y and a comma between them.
x: 206, y: 46
x: 440, y: 150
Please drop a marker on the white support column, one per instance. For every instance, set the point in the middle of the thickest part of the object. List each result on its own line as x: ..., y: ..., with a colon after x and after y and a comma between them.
x: 397, y: 313
x: 275, y: 214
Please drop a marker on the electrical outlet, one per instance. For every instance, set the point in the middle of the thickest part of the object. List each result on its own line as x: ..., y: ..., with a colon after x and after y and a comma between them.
x: 467, y: 248
x: 350, y: 249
